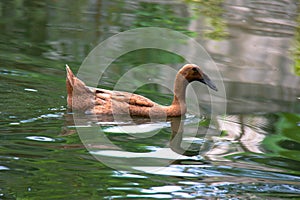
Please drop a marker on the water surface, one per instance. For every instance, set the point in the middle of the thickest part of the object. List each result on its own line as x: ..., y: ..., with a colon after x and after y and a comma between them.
x: 252, y: 151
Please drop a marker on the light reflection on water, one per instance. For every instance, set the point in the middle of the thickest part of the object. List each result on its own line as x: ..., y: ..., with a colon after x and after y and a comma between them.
x: 215, y: 163
x: 253, y: 151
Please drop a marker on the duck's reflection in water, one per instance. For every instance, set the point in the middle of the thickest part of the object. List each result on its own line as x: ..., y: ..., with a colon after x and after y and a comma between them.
x: 233, y: 136
x: 187, y: 144
x: 155, y: 142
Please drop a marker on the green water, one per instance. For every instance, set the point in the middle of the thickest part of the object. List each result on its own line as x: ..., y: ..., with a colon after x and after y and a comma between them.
x: 251, y: 153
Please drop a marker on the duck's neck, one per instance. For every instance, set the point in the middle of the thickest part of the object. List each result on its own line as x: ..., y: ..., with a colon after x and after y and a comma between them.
x: 179, y: 93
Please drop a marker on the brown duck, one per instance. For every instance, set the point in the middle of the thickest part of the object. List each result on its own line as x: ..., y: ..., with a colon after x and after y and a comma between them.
x: 101, y: 101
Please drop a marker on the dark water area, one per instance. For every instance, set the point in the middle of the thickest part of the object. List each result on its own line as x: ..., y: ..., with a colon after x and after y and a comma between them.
x: 250, y: 152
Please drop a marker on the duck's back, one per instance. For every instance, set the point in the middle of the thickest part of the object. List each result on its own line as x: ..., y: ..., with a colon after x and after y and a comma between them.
x: 100, y: 101
x: 117, y: 102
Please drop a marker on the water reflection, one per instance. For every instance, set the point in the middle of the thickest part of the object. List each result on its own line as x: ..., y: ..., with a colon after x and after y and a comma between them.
x: 184, y: 150
x: 187, y: 138
x: 254, y: 153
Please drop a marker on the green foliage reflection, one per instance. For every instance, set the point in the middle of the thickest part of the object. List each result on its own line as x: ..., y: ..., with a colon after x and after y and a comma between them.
x: 296, y: 50
x: 212, y: 12
x: 286, y: 142
x: 158, y: 15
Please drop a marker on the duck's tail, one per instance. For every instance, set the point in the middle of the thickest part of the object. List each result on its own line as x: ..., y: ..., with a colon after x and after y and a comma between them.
x: 79, y: 96
x: 70, y: 85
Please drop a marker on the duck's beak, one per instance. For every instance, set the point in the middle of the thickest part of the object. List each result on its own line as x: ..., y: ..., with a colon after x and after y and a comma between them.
x: 206, y: 80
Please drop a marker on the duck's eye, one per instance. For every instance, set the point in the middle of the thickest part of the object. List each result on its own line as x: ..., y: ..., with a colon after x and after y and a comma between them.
x: 195, y: 69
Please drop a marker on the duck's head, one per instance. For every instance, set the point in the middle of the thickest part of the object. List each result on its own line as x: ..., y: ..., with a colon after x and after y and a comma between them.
x: 192, y: 72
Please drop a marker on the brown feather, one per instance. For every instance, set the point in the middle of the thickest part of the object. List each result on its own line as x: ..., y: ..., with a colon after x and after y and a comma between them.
x: 101, y: 101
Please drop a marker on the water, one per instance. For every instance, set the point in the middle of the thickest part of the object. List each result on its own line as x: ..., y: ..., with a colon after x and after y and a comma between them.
x: 252, y: 152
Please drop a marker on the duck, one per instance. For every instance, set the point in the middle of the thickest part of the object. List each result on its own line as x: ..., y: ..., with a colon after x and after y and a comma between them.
x: 91, y: 100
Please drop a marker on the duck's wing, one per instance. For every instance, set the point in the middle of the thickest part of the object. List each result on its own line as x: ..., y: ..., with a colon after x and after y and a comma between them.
x: 101, y: 101
x: 123, y: 97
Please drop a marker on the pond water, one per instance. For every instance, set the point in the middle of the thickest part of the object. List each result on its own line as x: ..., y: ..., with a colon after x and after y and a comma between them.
x: 250, y: 152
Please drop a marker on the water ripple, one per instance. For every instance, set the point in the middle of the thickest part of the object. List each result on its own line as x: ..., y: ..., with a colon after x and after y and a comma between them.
x: 40, y: 138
